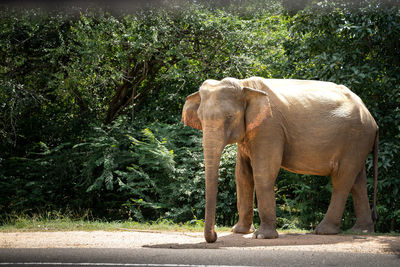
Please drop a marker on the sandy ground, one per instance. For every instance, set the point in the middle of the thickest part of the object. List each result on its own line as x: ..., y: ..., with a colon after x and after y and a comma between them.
x: 190, y: 240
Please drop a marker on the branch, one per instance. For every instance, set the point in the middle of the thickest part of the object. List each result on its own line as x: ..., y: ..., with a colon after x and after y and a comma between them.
x: 135, y: 76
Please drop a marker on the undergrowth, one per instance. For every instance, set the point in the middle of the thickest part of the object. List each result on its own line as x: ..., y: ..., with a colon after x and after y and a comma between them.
x: 54, y: 221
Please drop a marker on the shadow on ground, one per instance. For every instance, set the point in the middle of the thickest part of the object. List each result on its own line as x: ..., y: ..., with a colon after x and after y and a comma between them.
x: 239, y: 240
x: 386, y: 244
x: 391, y: 245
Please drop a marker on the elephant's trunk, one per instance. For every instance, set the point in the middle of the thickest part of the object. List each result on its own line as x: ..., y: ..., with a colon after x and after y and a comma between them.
x: 213, y: 145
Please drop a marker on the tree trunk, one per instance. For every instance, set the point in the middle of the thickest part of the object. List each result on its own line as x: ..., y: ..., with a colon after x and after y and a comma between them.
x: 126, y: 92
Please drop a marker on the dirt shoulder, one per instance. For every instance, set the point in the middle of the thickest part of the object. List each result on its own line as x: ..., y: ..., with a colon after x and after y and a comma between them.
x: 190, y: 240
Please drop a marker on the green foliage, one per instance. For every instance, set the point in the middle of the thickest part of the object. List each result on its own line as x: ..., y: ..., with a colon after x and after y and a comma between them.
x: 110, y: 171
x: 62, y: 77
x: 138, y: 171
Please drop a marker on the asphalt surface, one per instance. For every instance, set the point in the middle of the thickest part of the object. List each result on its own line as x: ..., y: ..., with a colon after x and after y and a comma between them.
x: 187, y: 257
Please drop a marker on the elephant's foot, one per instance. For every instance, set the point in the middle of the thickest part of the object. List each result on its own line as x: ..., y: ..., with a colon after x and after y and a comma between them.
x: 362, y: 228
x: 210, y: 236
x: 243, y: 229
x: 265, y: 232
x: 325, y: 228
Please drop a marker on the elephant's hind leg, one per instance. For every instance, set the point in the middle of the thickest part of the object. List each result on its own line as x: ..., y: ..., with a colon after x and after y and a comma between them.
x: 342, y: 181
x: 245, y: 195
x: 364, y: 223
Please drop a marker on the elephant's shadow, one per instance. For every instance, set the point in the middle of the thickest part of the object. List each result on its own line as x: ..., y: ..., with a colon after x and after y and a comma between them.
x: 243, y: 241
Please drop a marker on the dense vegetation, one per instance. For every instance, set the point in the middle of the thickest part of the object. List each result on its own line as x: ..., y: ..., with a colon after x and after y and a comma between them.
x: 90, y: 104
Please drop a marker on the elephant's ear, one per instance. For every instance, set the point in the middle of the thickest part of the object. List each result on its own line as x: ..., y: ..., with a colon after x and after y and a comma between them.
x: 257, y: 107
x: 189, y: 112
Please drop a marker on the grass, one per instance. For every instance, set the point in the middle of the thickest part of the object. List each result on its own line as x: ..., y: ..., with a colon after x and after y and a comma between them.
x: 57, y: 222
x: 62, y: 223
x: 25, y: 224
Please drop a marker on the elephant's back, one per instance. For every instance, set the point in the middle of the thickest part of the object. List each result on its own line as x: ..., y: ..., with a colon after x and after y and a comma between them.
x: 311, y: 95
x: 315, y: 102
x: 317, y: 98
x: 302, y: 94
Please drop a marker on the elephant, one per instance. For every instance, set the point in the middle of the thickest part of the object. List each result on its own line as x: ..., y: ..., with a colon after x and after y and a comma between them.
x: 303, y: 126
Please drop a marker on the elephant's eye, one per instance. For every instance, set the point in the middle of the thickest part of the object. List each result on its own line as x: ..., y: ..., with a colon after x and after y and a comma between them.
x: 228, y: 116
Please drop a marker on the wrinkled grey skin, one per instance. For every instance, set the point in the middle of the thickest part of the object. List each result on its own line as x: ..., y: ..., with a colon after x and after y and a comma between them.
x: 307, y: 127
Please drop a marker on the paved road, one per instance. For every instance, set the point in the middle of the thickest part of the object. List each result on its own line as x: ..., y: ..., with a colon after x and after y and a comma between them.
x: 187, y: 257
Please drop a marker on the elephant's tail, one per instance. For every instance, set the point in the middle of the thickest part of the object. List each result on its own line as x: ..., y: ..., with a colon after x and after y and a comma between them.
x: 375, y: 162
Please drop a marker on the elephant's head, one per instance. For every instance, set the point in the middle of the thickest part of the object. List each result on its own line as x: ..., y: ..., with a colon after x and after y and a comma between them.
x: 225, y: 112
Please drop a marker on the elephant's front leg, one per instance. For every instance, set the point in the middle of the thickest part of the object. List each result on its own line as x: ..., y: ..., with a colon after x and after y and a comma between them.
x: 266, y: 208
x: 265, y: 174
x: 245, y: 195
